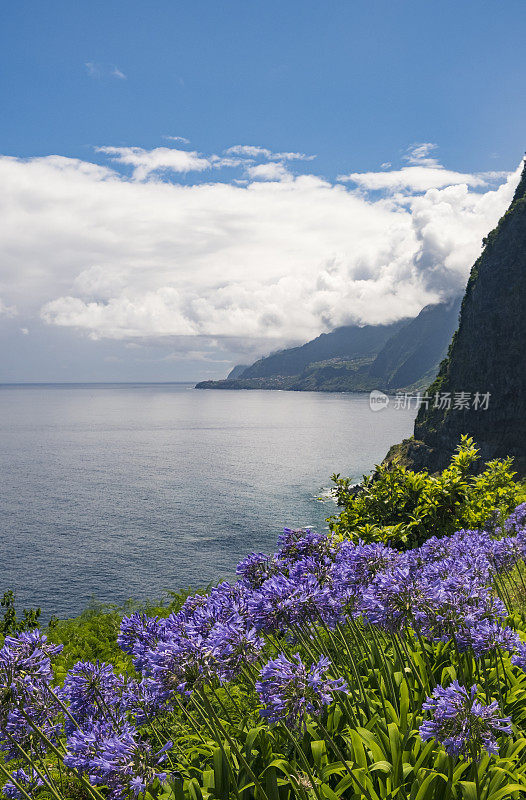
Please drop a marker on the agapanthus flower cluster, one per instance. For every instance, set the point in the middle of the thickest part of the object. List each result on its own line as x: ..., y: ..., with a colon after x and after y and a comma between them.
x: 25, y: 778
x: 92, y: 689
x: 113, y: 755
x: 488, y: 637
x: 138, y: 634
x: 290, y: 691
x: 461, y: 723
x: 363, y: 561
x: 25, y: 663
x: 256, y: 568
x: 516, y: 522
x: 519, y: 658
x: 26, y: 674
x: 296, y: 543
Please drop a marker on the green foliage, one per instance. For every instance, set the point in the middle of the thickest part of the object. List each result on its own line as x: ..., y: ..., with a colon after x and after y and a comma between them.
x: 92, y: 636
x: 404, y: 508
x: 11, y: 625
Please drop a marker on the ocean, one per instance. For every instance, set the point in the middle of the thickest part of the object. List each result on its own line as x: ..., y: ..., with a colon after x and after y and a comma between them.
x: 117, y: 491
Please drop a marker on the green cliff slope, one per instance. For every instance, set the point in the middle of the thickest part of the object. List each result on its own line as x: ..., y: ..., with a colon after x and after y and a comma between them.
x: 487, y: 355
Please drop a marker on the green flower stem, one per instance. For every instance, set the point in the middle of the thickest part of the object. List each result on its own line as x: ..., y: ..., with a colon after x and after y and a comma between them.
x: 501, y: 699
x: 91, y: 789
x: 351, y: 675
x: 233, y: 700
x: 339, y: 754
x: 475, y: 771
x: 387, y: 671
x: 354, y: 668
x: 63, y: 706
x: 206, y: 722
x: 411, y: 662
x: 303, y: 758
x: 459, y: 661
x: 27, y: 757
x: 234, y: 747
x: 149, y: 720
x: 217, y: 738
x: 223, y: 707
x: 190, y: 717
x: 429, y: 671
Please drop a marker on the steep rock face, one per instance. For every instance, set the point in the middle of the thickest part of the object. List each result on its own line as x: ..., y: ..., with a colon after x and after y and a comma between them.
x: 487, y: 354
x: 417, y: 348
x: 236, y: 371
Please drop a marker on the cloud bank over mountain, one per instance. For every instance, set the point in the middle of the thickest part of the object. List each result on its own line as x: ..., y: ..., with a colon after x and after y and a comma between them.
x: 246, y: 245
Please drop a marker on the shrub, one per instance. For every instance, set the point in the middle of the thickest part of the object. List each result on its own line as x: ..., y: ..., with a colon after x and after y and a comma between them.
x: 404, y: 508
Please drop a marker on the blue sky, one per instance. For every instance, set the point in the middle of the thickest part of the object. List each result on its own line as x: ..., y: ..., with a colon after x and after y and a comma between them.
x: 359, y: 85
x: 354, y: 82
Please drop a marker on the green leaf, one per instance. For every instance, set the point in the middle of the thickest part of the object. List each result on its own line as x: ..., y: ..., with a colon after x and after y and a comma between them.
x: 468, y: 789
x: 327, y: 792
x: 381, y: 766
x: 319, y: 752
x: 507, y: 790
x: 195, y: 790
x: 428, y: 780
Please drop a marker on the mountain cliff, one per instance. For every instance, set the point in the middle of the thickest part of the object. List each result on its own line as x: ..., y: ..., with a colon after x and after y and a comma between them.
x: 405, y: 354
x: 486, y: 356
x: 418, y: 348
x: 349, y: 342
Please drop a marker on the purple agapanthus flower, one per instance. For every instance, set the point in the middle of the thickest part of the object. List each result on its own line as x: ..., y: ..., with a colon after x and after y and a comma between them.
x: 487, y: 637
x: 363, y: 561
x: 43, y: 711
x: 461, y: 723
x: 519, y: 658
x: 92, y: 689
x: 113, y: 755
x: 139, y: 633
x: 25, y: 663
x: 391, y: 599
x: 290, y: 691
x: 281, y: 602
x: 182, y: 665
x: 517, y: 519
x: 234, y: 644
x: 506, y: 552
x: 257, y: 568
x: 29, y: 781
x: 142, y: 700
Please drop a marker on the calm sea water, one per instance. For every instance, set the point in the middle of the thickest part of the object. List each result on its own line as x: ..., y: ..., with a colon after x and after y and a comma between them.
x: 119, y: 491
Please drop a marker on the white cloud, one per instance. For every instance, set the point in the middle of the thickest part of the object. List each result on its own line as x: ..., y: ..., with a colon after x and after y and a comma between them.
x: 118, y: 73
x: 260, y: 265
x: 419, y: 153
x: 7, y: 311
x: 144, y: 162
x: 165, y: 159
x: 253, y: 151
x: 180, y: 139
x: 272, y: 171
x: 98, y: 71
x: 249, y: 150
x: 417, y: 179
